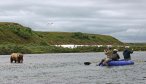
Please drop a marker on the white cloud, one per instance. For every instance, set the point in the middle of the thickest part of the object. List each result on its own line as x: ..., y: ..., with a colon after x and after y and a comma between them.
x: 111, y: 13
x: 123, y: 19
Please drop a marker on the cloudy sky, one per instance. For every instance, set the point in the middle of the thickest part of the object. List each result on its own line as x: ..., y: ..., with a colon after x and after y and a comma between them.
x: 123, y: 19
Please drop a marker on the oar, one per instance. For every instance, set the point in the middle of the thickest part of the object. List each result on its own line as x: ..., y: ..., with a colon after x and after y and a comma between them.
x: 88, y: 63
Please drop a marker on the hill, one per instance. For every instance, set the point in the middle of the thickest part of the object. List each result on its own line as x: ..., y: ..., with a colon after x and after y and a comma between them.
x: 18, y: 34
x: 77, y: 38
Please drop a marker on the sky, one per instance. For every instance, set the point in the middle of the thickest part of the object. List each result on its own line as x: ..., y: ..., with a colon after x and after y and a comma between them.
x: 122, y: 19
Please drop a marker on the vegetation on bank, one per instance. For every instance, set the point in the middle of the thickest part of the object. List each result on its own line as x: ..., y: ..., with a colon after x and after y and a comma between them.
x: 33, y: 49
x: 17, y: 38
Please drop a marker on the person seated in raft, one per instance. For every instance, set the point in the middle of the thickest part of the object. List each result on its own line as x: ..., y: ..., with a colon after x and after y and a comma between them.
x: 127, y: 52
x: 115, y: 55
x: 108, y: 52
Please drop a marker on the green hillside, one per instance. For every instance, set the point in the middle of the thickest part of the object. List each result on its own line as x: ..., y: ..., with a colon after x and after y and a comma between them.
x: 18, y: 34
x: 77, y: 38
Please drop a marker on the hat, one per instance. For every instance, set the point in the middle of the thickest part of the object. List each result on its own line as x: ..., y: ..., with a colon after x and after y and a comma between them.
x: 115, y: 50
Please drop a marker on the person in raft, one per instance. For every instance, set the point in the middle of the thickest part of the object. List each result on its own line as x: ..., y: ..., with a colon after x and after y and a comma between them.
x: 127, y: 52
x: 115, y: 55
x: 111, y: 55
x: 108, y: 52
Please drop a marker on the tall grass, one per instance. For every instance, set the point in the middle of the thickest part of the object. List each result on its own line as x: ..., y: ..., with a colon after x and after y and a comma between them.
x: 8, y: 49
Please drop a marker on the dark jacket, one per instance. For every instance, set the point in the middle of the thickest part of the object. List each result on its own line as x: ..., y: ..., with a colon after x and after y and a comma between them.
x: 126, y: 54
x: 115, y: 56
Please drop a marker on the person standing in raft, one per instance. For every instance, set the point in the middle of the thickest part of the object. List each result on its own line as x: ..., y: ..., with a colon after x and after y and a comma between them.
x: 127, y: 52
x: 108, y: 52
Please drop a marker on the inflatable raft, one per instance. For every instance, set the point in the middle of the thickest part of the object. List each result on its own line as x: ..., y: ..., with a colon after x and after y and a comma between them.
x: 119, y: 63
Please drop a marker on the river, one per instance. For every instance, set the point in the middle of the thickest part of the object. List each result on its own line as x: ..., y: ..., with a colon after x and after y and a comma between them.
x: 69, y: 68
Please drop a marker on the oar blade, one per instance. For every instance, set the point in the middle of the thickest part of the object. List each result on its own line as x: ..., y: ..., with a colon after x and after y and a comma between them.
x: 87, y: 63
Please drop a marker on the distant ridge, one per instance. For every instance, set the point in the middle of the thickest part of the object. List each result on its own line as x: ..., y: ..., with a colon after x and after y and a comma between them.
x: 17, y: 34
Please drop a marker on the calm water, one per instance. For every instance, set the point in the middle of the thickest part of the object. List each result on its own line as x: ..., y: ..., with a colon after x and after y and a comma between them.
x: 68, y: 68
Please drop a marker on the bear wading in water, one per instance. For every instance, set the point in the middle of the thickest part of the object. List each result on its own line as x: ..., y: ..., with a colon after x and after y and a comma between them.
x: 16, y: 57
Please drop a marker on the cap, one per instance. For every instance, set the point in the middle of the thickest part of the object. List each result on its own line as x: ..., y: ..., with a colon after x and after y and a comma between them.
x: 115, y: 50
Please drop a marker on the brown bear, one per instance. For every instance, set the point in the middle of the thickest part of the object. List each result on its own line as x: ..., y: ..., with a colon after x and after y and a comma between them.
x: 16, y: 57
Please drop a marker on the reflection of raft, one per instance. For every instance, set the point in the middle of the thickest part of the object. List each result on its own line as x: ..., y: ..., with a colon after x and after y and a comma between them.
x: 119, y: 63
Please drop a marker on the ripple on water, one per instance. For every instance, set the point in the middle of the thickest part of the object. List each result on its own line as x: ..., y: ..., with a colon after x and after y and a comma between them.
x: 68, y: 68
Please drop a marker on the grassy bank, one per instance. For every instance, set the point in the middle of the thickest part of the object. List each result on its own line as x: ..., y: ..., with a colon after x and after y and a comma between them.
x: 34, y: 49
